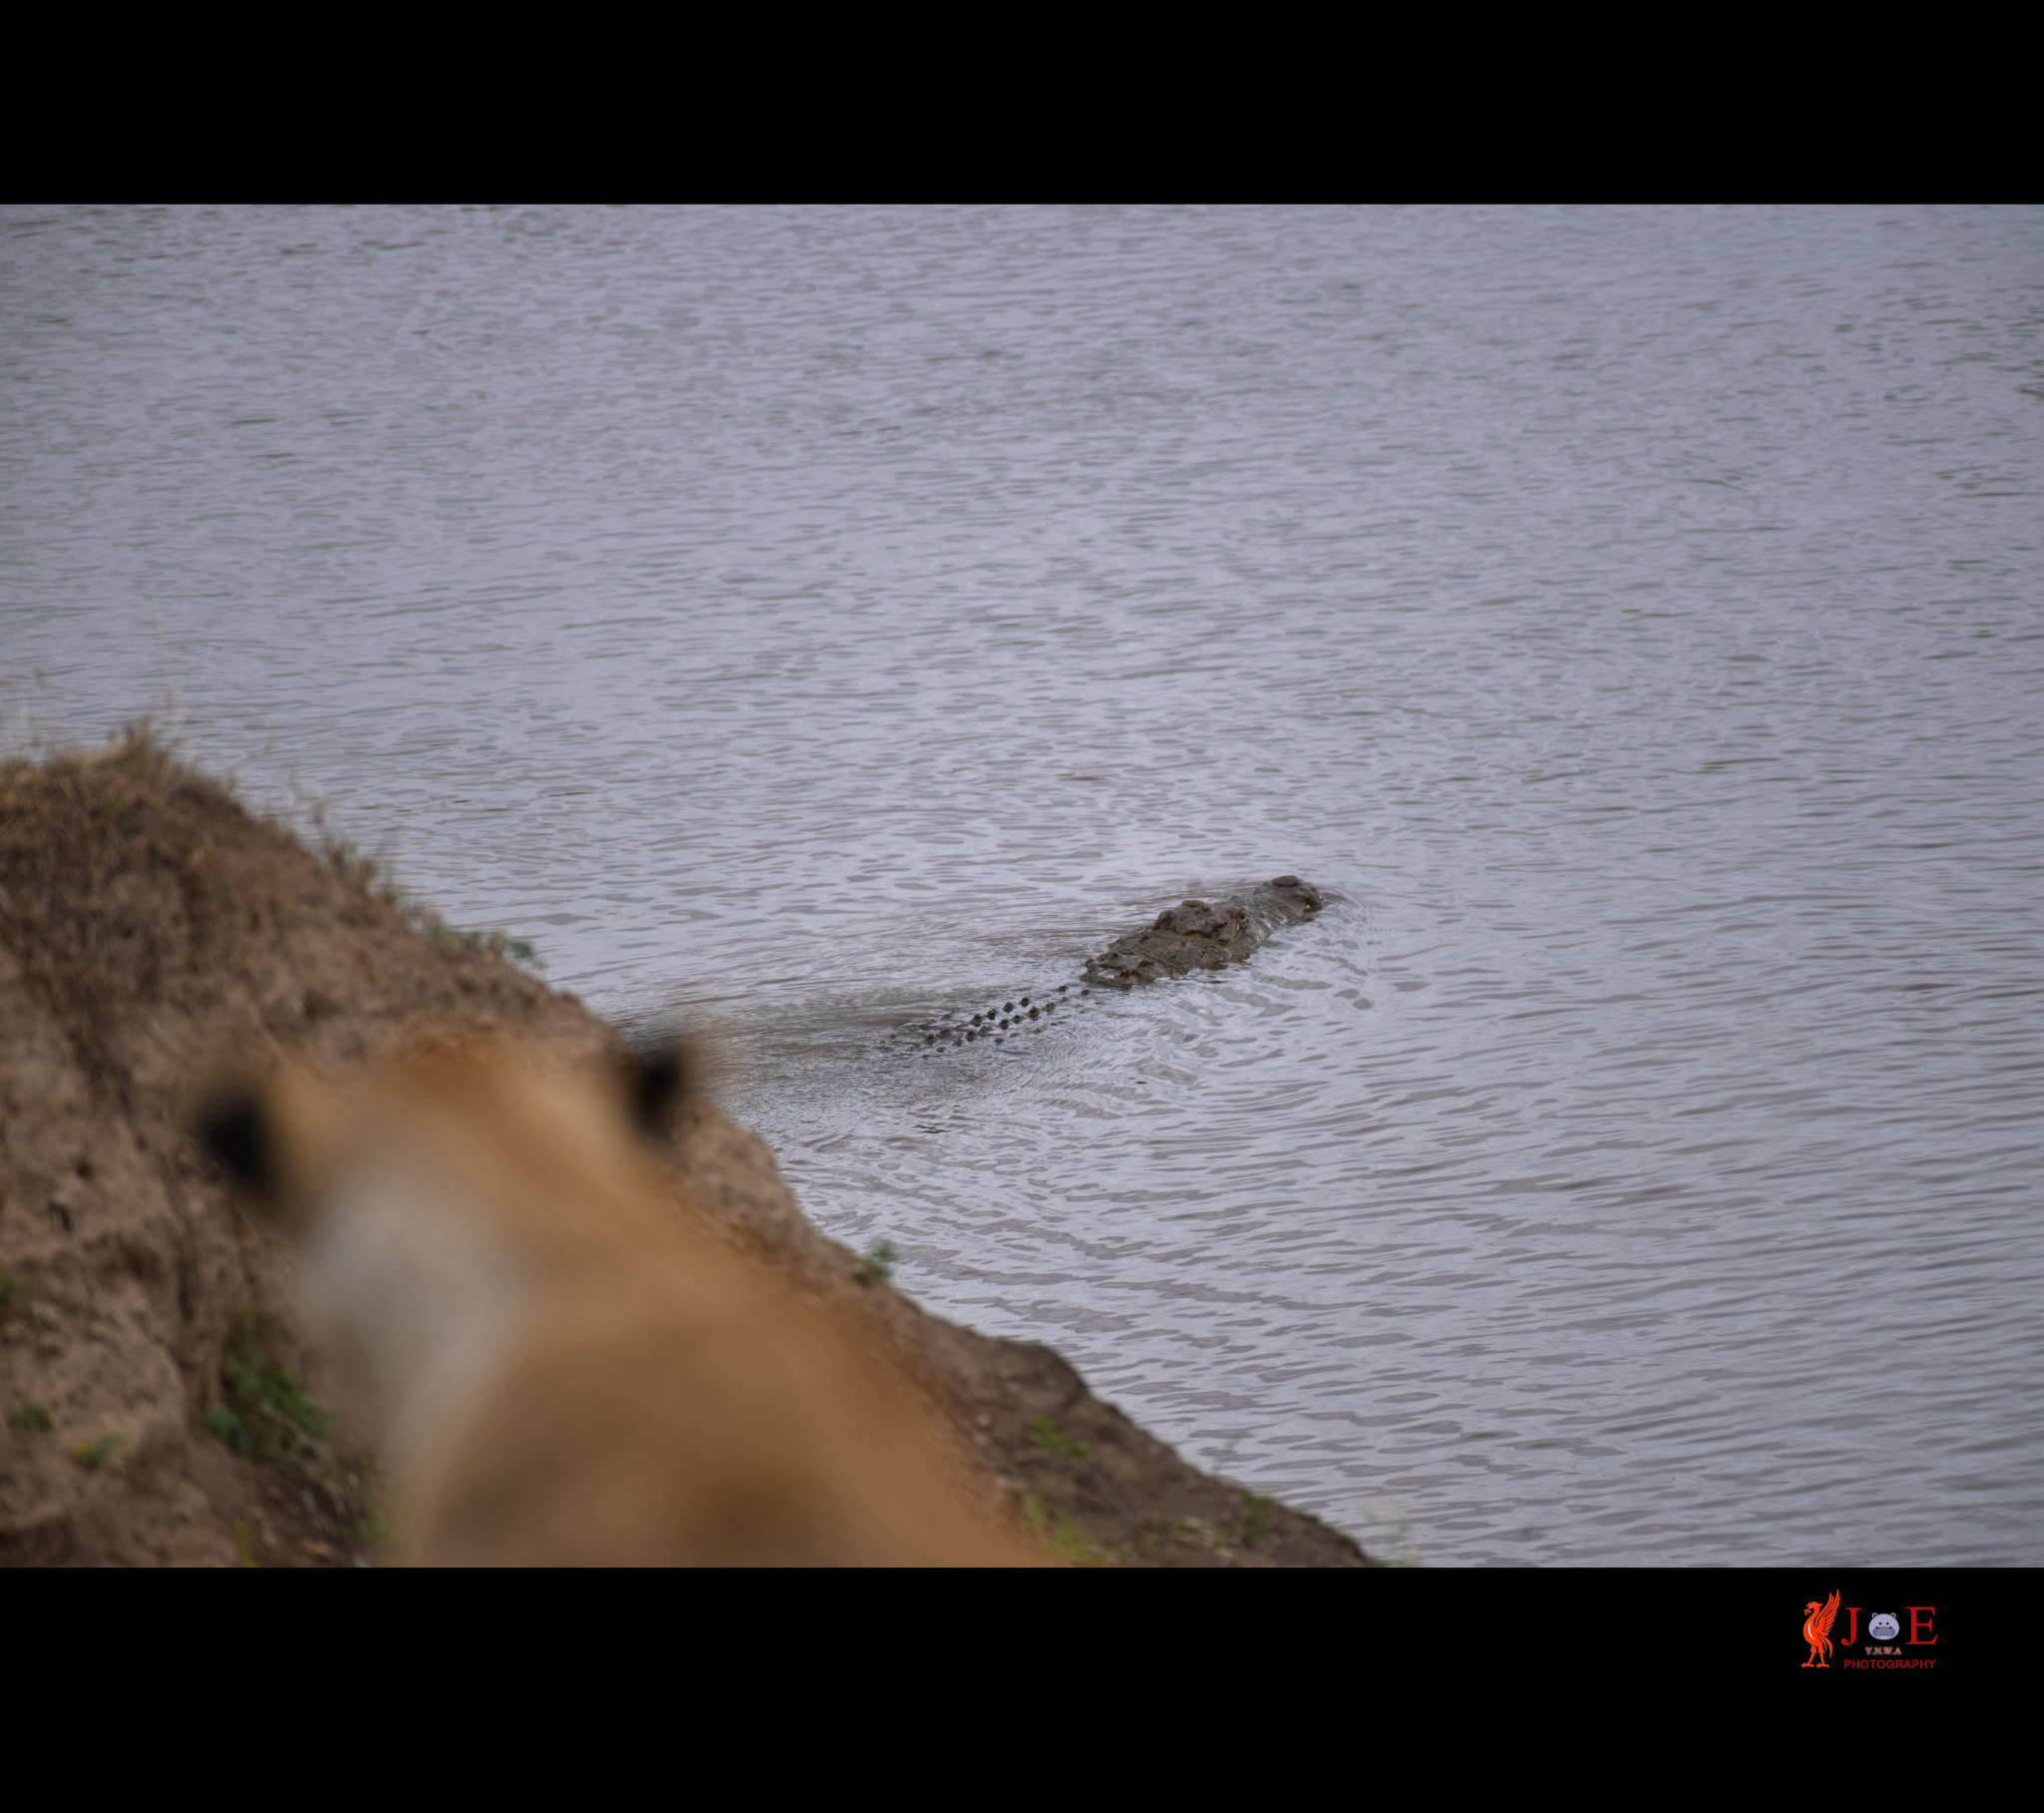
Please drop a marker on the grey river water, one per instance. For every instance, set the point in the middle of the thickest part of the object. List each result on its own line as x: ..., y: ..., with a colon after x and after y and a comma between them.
x: 805, y: 621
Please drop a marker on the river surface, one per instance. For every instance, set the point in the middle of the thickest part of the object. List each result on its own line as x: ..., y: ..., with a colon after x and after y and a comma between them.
x: 804, y: 622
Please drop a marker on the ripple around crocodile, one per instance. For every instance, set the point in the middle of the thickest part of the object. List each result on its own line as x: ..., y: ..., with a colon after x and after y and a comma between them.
x: 1194, y: 935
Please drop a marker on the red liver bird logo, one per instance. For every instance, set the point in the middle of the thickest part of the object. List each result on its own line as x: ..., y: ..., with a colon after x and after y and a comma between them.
x: 1816, y: 1630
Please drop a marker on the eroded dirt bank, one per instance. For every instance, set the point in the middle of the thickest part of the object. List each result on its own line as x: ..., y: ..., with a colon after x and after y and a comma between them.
x: 161, y: 1408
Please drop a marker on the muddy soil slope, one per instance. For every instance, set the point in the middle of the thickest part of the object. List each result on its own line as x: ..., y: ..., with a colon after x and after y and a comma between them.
x: 161, y: 1406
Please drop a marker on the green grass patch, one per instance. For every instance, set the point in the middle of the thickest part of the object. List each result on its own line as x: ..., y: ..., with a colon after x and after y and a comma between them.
x: 498, y: 944
x: 359, y: 1517
x: 266, y: 1413
x: 1259, y: 1513
x: 1058, y: 1532
x: 1044, y: 1432
x: 35, y: 1418
x: 15, y: 1286
x: 1159, y: 1531
x: 92, y: 1456
x: 876, y: 1265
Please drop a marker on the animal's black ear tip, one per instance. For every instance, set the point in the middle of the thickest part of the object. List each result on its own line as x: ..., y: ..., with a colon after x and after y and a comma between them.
x: 660, y: 1079
x: 233, y: 1128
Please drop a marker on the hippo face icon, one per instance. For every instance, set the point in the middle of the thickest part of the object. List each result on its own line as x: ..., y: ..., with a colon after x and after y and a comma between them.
x: 1882, y: 1625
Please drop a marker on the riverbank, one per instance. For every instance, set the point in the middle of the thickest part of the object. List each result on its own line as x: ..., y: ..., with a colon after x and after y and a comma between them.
x: 162, y: 1408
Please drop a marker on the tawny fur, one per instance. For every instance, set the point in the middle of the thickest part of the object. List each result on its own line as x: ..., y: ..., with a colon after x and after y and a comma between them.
x: 561, y: 1368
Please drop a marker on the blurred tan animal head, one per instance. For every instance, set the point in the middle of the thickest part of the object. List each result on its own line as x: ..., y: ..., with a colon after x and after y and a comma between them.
x: 560, y: 1367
